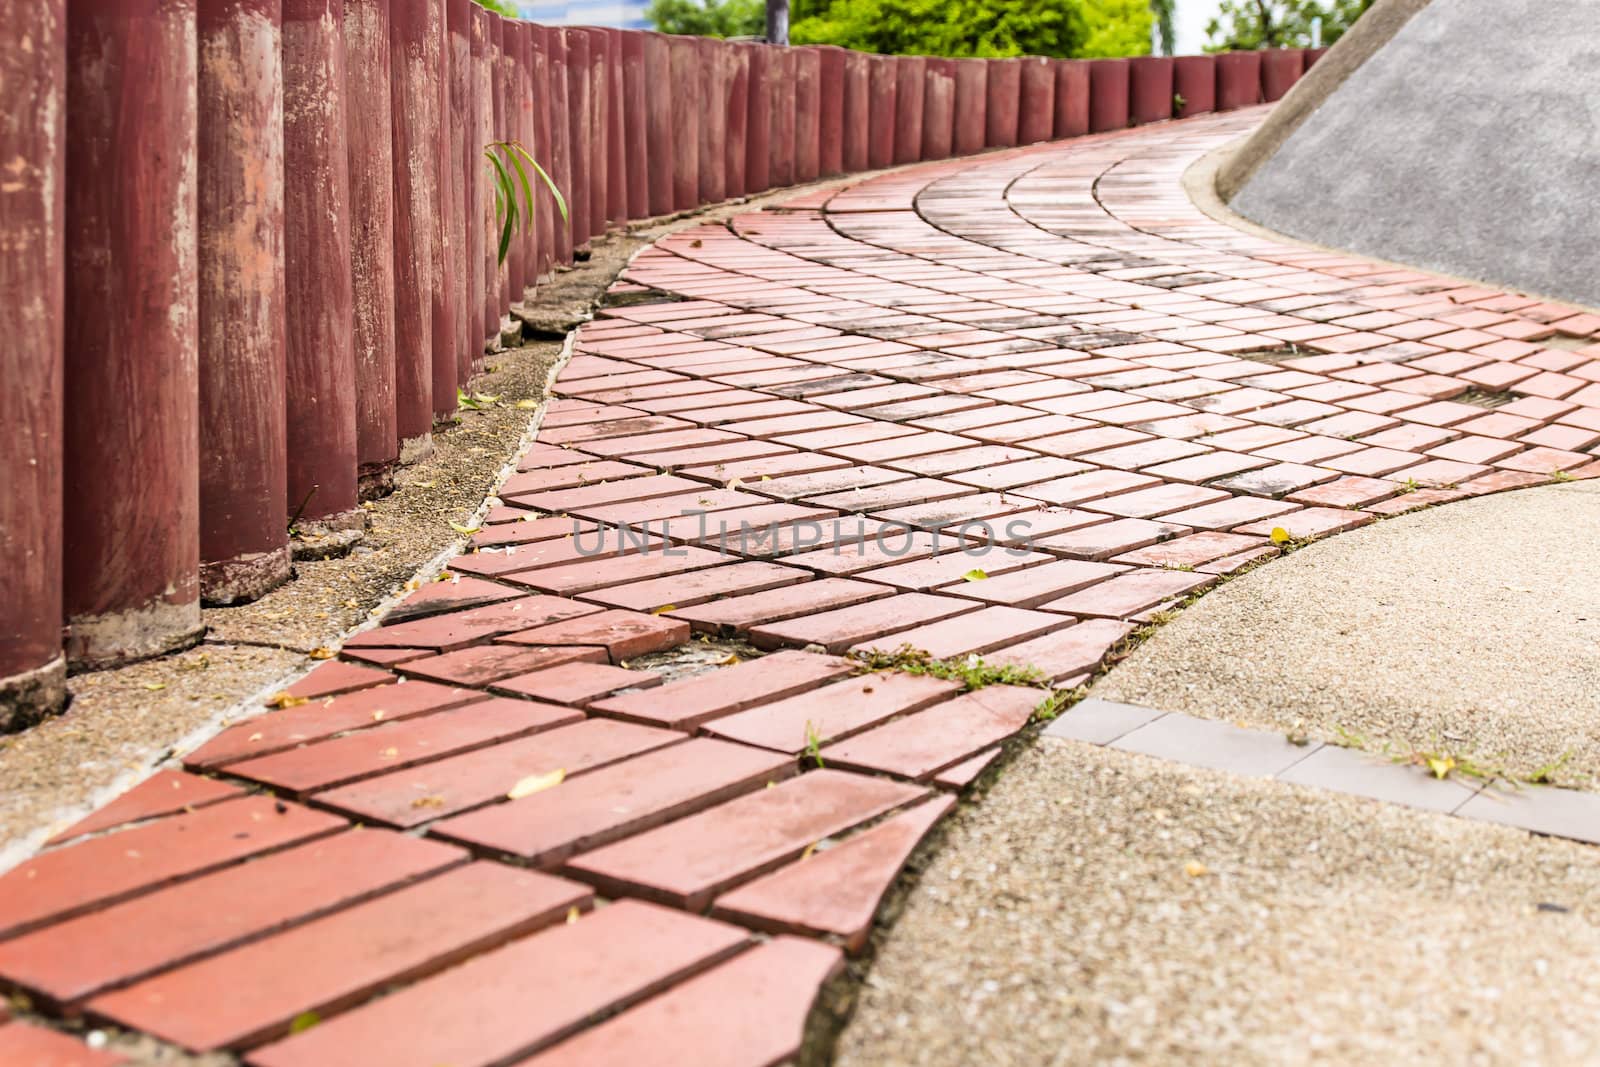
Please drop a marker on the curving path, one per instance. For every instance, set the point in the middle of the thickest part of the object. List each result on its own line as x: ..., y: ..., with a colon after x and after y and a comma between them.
x: 1011, y: 406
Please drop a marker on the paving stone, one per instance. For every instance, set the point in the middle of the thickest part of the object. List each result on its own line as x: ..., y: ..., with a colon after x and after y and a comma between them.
x: 1156, y: 500
x: 1345, y: 770
x: 698, y: 587
x: 337, y: 676
x: 67, y: 881
x: 568, y: 477
x: 965, y: 773
x: 1128, y: 594
x: 1107, y: 539
x: 1347, y: 492
x: 458, y: 629
x: 1036, y: 585
x: 458, y: 783
x: 1099, y: 722
x: 689, y: 702
x: 638, y: 794
x: 770, y: 530
x: 737, y: 615
x: 748, y: 1012
x: 840, y: 628
x: 567, y: 500
x: 624, y: 634
x: 979, y: 513
x: 508, y: 562
x: 1219, y: 746
x: 163, y: 793
x: 890, y: 545
x: 834, y: 891
x: 953, y: 566
x: 252, y: 993
x: 1081, y: 488
x: 1540, y: 810
x: 1191, y: 551
x: 384, y: 657
x: 395, y: 746
x: 832, y: 712
x: 1063, y: 654
x: 977, y: 632
x: 456, y: 593
x: 689, y: 862
x: 27, y: 1045
x: 1310, y: 522
x: 1226, y: 514
x: 482, y: 665
x: 69, y: 961
x: 638, y: 514
x: 577, y: 683
x: 577, y: 579
x: 921, y: 745
x: 521, y: 997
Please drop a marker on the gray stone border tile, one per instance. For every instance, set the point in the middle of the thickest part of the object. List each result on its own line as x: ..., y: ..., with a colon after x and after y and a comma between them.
x: 1100, y: 722
x: 1347, y: 770
x: 1220, y: 746
x: 1542, y: 810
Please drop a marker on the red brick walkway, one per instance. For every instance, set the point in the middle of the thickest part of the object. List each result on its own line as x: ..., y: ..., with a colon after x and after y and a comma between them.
x: 562, y: 860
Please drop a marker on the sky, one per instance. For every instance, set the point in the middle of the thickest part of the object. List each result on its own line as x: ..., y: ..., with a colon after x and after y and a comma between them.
x: 1190, y: 20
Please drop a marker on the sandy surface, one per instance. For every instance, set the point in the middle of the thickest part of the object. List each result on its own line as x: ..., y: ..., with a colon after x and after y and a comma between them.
x: 1473, y: 628
x: 1101, y: 908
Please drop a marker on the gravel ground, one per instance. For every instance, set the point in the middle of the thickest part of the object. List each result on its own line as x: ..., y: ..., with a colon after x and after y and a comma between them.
x: 1472, y: 628
x: 1106, y: 908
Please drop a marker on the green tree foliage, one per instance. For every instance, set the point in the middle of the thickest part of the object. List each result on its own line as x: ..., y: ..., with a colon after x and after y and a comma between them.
x: 1248, y: 24
x: 503, y: 7
x: 1162, y: 12
x: 977, y: 27
x: 709, y: 18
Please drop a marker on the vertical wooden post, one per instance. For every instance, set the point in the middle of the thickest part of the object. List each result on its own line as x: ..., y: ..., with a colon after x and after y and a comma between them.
x: 549, y: 218
x: 758, y: 122
x: 1036, y: 117
x: 132, y: 540
x: 616, y: 136
x: 635, y: 122
x: 599, y: 140
x: 781, y: 125
x: 1194, y: 78
x: 445, y: 247
x: 466, y: 164
x: 685, y: 92
x: 910, y: 92
x: 939, y: 108
x: 1002, y: 101
x: 1109, y: 95
x: 1238, y: 80
x: 830, y: 106
x: 807, y: 114
x: 712, y: 167
x: 509, y: 75
x: 367, y: 29
x: 1152, y: 88
x: 499, y: 82
x: 244, y: 545
x: 319, y: 351
x: 560, y: 138
x: 658, y: 121
x: 857, y: 111
x: 972, y: 95
x: 579, y: 139
x: 413, y: 104
x: 736, y: 108
x: 882, y: 91
x: 1072, y: 98
x: 1280, y: 69
x: 32, y: 131
x: 486, y: 312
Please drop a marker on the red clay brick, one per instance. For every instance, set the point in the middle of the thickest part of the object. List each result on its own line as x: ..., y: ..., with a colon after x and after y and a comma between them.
x: 1311, y: 522
x: 458, y: 629
x: 1191, y: 551
x: 577, y: 683
x: 837, y: 630
x: 1128, y: 594
x: 27, y: 1045
x: 252, y: 994
x: 638, y: 794
x: 624, y: 634
x: 691, y: 861
x: 163, y: 793
x: 965, y: 773
x: 576, y: 579
x: 335, y: 677
x: 396, y: 746
x: 103, y: 870
x: 456, y: 593
x: 687, y: 703
x: 1226, y: 514
x: 568, y: 477
x: 481, y: 665
x: 921, y: 745
x: 834, y: 891
x: 1064, y: 653
x: 520, y: 998
x: 69, y: 961
x: 698, y: 587
x: 1036, y: 585
x: 738, y: 614
x: 974, y: 633
x: 751, y: 1010
x: 458, y: 783
x: 1107, y: 539
x: 832, y: 712
x: 953, y: 566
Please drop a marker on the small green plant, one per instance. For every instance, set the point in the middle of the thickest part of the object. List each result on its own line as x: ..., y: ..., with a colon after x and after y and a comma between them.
x: 508, y: 158
x: 1178, y: 102
x: 1410, y: 485
x: 971, y: 671
x: 814, y: 743
x: 1560, y: 476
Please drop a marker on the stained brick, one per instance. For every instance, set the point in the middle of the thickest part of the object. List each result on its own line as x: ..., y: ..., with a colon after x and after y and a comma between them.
x: 252, y: 993
x: 335, y: 677
x: 1062, y: 654
x: 444, y: 633
x: 837, y: 630
x: 163, y: 793
x: 977, y: 632
x: 921, y: 745
x: 27, y: 1045
x: 577, y: 683
x: 832, y: 712
x: 69, y: 961
x: 481, y: 665
x: 1128, y: 594
x: 834, y: 891
x: 1036, y: 585
x: 691, y: 861
x: 103, y: 870
x: 738, y: 614
x: 395, y: 746
x: 522, y: 997
x: 456, y: 593
x: 689, y: 702
x: 638, y: 794
x: 687, y: 590
x: 624, y: 634
x: 1108, y: 539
